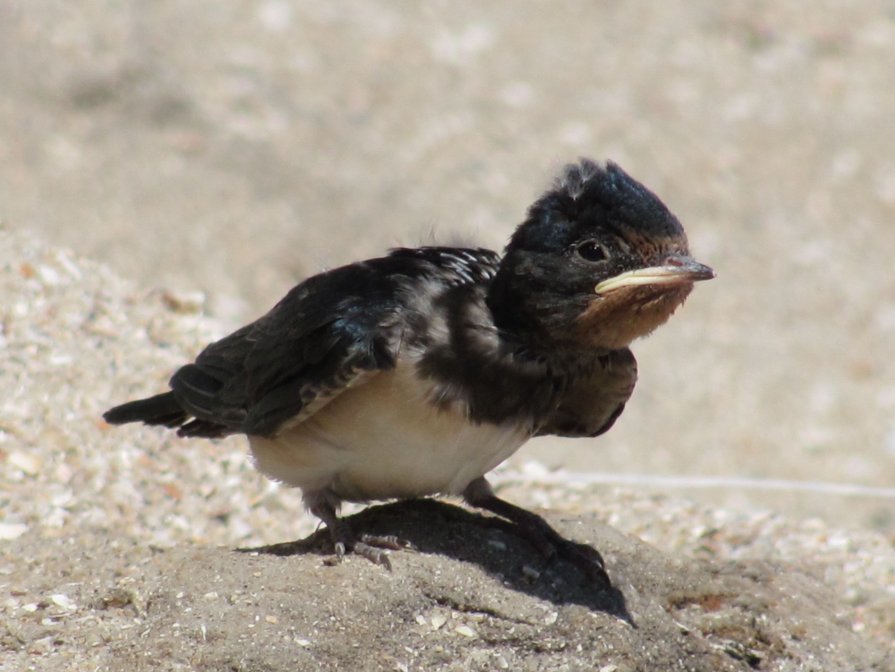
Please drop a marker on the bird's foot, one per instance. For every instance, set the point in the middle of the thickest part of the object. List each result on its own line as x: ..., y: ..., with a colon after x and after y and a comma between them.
x: 554, y: 547
x: 584, y: 557
x: 540, y: 534
x: 372, y: 547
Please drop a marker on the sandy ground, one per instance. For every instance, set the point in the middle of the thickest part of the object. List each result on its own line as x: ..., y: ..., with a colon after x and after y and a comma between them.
x: 234, y: 151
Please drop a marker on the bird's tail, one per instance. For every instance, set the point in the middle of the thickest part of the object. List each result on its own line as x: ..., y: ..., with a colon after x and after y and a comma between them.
x: 162, y: 409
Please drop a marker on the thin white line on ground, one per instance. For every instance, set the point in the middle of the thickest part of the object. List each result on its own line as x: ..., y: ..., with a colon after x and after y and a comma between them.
x: 693, y: 482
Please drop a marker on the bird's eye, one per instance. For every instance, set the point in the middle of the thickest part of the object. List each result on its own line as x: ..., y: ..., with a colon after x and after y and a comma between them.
x: 591, y: 250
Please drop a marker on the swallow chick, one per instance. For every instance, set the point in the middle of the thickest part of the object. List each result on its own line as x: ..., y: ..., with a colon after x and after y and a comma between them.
x: 417, y: 373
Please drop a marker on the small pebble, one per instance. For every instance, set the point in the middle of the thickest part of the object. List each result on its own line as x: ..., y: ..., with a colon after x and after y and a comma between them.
x: 27, y: 462
x: 530, y: 572
x: 10, y: 531
x: 63, y: 601
x: 183, y: 302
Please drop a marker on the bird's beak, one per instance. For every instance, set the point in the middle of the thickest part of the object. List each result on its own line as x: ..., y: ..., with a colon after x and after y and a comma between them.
x: 677, y: 270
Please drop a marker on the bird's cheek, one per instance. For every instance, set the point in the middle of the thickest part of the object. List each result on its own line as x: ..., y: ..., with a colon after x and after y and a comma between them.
x: 606, y: 323
x: 615, y: 320
x: 653, y: 311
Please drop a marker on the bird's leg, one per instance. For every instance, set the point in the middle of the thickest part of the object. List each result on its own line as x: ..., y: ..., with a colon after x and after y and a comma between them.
x: 538, y: 531
x: 368, y: 546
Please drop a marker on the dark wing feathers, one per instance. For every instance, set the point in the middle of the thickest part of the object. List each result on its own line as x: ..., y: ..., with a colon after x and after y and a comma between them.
x: 289, y: 390
x: 314, y: 342
x: 326, y: 334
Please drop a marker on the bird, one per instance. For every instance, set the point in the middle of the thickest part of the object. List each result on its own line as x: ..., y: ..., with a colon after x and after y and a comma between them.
x: 416, y: 373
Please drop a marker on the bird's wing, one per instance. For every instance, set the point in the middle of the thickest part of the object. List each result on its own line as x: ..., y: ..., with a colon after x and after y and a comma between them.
x: 327, y: 334
x: 331, y: 332
x: 594, y: 401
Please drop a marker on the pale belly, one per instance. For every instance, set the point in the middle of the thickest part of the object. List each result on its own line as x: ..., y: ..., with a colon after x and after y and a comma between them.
x: 383, y: 440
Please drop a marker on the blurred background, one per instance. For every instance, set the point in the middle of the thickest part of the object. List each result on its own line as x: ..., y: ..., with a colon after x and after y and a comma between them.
x: 235, y: 148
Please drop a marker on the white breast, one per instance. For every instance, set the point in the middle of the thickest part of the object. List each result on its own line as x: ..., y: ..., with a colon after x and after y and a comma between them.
x: 384, y: 439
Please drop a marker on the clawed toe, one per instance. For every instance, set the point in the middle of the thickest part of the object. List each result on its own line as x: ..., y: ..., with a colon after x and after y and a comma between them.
x: 377, y: 556
x: 374, y: 548
x: 586, y: 558
x: 389, y: 542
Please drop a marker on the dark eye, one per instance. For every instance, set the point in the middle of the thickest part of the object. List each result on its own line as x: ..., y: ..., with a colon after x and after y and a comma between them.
x: 591, y: 250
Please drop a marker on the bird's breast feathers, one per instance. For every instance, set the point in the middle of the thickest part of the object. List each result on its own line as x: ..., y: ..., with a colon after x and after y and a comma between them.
x: 386, y: 439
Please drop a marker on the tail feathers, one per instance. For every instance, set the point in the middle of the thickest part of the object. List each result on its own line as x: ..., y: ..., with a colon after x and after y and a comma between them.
x: 162, y: 409
x: 165, y: 409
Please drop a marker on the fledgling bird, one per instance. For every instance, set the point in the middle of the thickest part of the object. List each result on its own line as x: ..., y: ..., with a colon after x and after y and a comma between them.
x: 418, y: 372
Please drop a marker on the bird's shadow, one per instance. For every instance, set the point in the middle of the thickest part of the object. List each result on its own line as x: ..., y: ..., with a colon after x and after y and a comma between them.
x: 438, y: 528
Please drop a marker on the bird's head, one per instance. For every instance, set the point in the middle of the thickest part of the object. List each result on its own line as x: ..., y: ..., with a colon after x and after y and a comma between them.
x: 598, y: 262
